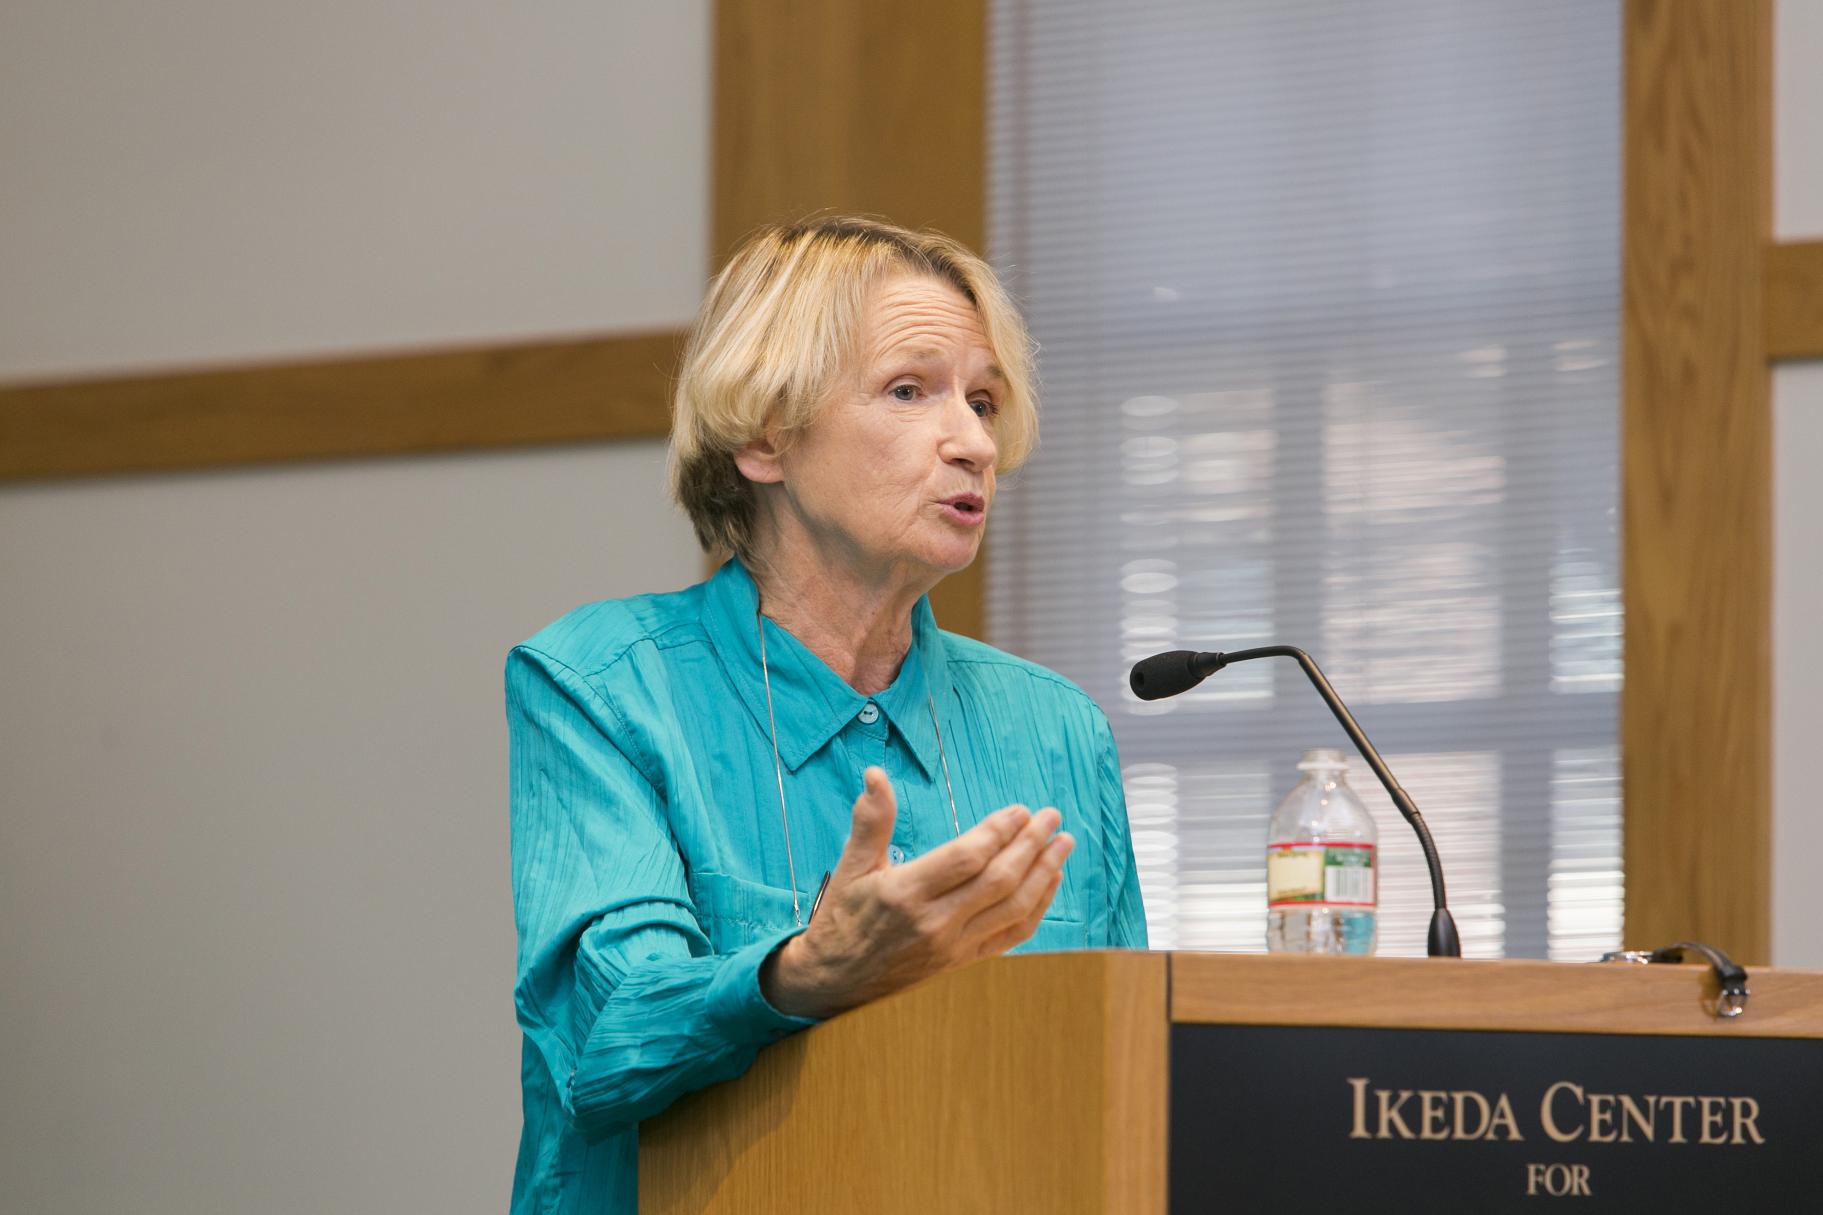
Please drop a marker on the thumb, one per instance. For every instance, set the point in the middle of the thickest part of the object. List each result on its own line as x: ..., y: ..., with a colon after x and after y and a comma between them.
x: 872, y: 829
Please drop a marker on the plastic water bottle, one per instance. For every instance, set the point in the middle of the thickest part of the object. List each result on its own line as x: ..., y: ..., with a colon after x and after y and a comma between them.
x: 1322, y: 887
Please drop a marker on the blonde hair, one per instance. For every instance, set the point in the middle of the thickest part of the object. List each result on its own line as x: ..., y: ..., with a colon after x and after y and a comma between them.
x: 780, y: 327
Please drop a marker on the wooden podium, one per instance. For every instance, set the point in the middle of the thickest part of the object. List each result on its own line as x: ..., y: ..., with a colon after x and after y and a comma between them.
x: 1046, y: 1083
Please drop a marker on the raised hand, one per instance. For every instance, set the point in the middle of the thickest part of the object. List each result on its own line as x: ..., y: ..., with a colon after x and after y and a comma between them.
x: 882, y: 927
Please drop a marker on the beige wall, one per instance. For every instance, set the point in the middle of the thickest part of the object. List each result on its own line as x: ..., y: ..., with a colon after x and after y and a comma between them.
x: 256, y: 943
x: 210, y: 179
x: 1797, y: 403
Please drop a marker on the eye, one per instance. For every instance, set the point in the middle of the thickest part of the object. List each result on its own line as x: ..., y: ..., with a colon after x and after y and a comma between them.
x: 984, y: 407
x: 904, y: 392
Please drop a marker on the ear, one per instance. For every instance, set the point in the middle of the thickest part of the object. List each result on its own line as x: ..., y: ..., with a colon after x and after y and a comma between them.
x: 759, y: 461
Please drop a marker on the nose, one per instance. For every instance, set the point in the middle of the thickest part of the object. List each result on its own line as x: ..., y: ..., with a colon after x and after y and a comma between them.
x: 967, y: 439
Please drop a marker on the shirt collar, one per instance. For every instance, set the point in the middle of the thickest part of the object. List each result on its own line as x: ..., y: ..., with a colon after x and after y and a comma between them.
x: 811, y: 702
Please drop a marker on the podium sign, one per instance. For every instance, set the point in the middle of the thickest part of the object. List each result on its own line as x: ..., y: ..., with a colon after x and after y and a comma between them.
x: 1384, y: 1120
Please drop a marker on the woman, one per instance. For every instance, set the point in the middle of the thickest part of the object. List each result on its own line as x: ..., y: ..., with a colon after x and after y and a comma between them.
x: 683, y: 764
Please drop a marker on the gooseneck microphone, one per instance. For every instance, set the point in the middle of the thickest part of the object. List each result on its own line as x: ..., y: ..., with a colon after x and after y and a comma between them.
x: 1178, y: 671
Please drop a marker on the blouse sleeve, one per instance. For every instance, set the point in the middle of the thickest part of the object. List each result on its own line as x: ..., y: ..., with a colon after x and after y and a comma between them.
x: 617, y: 984
x: 1127, y: 915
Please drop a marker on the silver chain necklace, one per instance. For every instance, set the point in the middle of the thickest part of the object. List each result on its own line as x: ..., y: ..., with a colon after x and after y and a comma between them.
x: 778, y: 769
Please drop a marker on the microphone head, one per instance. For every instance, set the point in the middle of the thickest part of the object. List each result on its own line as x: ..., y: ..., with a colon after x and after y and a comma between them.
x: 1168, y: 674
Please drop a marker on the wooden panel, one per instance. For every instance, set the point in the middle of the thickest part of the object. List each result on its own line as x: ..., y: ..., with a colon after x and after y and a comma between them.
x: 510, y: 393
x: 1794, y: 300
x: 1034, y: 1083
x: 1434, y: 993
x: 879, y: 108
x: 1135, y: 1090
x: 831, y: 105
x: 1696, y: 474
x: 960, y: 601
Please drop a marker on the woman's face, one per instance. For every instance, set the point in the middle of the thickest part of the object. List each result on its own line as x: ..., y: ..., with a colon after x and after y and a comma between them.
x: 896, y: 475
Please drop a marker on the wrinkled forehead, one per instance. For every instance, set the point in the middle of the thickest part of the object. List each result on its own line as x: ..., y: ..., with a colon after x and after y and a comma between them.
x: 921, y: 318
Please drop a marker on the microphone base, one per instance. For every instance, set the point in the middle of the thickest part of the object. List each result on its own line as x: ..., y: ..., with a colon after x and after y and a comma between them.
x: 1443, y: 942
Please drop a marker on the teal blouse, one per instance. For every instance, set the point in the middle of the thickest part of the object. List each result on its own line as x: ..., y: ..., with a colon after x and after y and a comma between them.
x: 650, y: 877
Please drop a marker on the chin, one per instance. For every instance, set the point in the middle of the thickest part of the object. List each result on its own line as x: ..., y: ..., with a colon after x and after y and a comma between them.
x: 954, y: 557
x: 942, y: 550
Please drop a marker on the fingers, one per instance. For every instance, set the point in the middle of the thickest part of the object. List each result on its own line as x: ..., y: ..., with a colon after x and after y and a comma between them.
x: 1021, y: 932
x: 1007, y: 922
x: 1006, y: 870
x: 941, y: 870
x: 871, y: 830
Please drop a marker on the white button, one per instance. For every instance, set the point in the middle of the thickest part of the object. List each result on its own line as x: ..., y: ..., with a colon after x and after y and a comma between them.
x: 870, y: 713
x: 896, y: 855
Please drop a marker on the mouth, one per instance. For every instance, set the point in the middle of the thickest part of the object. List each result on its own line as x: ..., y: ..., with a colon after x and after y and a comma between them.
x: 967, y: 509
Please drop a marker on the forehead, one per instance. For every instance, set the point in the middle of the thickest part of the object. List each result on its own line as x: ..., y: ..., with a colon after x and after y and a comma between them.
x: 913, y: 312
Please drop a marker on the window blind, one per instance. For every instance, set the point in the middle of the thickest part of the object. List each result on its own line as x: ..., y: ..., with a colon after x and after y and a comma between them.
x: 1327, y: 298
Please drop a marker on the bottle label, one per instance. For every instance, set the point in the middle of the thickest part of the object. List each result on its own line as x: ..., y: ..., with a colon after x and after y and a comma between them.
x: 1304, y: 873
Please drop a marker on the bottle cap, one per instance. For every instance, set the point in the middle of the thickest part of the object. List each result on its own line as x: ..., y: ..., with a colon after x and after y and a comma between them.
x: 1324, y: 759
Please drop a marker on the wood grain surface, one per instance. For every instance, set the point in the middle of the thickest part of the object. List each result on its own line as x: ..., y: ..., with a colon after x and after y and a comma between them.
x: 1438, y: 993
x: 1034, y: 1083
x: 828, y: 105
x: 877, y: 108
x: 1696, y: 474
x: 615, y: 387
x: 1794, y: 300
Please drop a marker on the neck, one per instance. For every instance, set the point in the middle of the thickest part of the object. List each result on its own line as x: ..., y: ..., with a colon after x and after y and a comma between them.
x: 858, y: 622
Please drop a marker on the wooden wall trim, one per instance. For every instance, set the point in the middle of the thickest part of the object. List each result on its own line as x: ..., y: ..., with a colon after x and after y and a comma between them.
x: 805, y: 123
x: 615, y: 387
x: 1794, y: 300
x: 1696, y: 474
x: 812, y: 113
